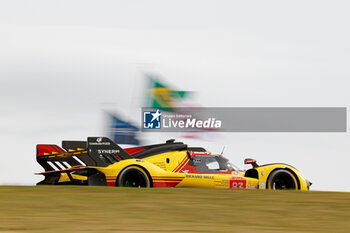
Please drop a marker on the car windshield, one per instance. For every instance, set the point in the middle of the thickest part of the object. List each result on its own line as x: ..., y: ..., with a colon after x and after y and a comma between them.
x: 225, y: 164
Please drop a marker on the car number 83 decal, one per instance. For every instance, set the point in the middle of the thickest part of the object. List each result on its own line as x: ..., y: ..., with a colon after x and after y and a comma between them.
x: 238, y: 184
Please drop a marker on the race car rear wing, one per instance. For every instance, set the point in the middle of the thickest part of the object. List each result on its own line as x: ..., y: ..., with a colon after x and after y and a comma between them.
x: 96, y: 151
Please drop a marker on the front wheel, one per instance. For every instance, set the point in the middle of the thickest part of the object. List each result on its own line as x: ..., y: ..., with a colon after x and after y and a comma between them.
x: 282, y: 179
x: 133, y: 176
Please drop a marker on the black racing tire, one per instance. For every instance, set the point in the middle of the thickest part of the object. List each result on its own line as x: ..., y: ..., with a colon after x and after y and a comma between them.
x: 133, y: 176
x: 282, y: 179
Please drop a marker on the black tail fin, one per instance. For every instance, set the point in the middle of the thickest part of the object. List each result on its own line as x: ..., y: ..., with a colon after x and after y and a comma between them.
x: 106, y: 149
x: 78, y: 156
x: 97, y: 151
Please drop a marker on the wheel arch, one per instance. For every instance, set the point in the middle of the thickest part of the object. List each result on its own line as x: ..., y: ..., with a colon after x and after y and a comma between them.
x: 136, y: 165
x: 283, y: 168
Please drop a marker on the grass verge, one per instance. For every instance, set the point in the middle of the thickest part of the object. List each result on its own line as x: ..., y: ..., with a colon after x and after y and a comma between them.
x: 105, y: 209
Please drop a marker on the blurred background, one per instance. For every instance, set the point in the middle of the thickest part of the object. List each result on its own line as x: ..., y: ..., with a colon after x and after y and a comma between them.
x: 72, y: 69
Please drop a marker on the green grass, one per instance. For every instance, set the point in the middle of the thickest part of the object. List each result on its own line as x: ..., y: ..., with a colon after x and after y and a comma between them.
x: 103, y: 209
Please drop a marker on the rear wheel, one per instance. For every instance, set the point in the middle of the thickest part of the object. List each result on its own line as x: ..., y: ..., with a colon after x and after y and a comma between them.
x: 282, y: 179
x: 133, y: 176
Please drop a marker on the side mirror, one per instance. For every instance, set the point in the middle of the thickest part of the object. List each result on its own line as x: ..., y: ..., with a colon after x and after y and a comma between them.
x: 251, y: 161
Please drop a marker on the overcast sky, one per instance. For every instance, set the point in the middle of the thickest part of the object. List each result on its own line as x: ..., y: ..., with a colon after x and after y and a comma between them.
x: 61, y: 62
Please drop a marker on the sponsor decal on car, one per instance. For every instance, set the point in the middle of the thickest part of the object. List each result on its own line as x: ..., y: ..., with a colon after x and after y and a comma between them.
x: 262, y: 185
x: 99, y: 142
x: 108, y: 151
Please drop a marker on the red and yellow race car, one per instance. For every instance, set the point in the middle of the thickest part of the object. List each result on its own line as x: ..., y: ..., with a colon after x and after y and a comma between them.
x: 99, y: 161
